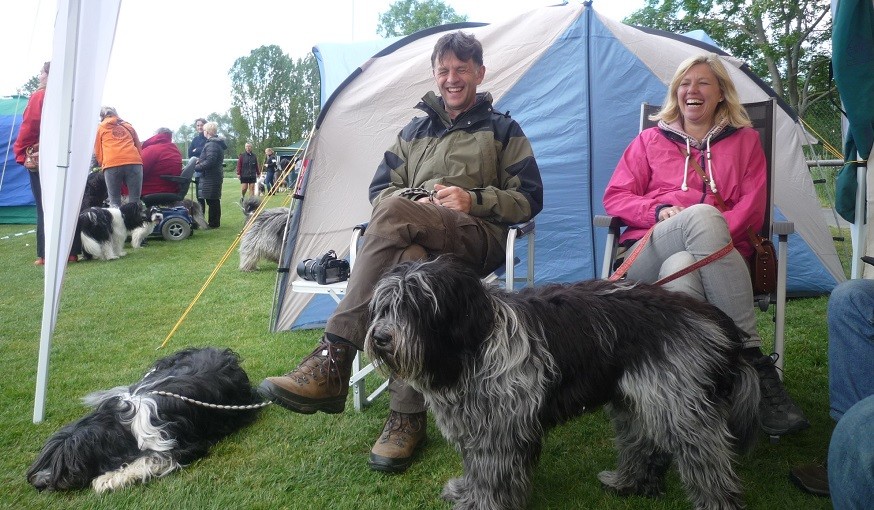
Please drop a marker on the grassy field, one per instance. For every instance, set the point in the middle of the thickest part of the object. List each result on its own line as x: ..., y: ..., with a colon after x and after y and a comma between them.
x: 114, y: 315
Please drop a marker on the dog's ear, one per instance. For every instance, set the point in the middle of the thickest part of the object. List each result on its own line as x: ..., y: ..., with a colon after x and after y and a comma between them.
x: 463, y: 320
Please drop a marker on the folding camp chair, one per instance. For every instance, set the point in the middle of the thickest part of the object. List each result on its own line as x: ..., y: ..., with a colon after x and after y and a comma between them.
x: 762, y: 116
x: 507, y: 273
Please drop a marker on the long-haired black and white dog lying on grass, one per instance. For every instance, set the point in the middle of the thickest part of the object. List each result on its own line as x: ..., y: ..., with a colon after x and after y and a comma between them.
x: 500, y: 369
x: 104, y: 229
x: 263, y: 239
x: 145, y: 430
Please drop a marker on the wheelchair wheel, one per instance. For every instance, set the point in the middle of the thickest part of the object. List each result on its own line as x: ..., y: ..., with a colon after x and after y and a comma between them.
x: 175, y: 229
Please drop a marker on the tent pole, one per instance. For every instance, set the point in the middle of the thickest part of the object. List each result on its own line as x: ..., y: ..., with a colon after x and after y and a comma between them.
x: 53, y: 272
x: 861, y: 237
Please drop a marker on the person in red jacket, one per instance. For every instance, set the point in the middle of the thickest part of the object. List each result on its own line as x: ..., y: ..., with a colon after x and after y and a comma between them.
x: 160, y: 157
x: 28, y: 135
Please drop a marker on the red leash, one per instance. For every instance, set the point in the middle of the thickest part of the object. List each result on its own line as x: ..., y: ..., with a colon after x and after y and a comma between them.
x: 620, y: 272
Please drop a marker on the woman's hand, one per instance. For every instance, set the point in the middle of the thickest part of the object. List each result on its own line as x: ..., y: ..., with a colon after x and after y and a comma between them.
x: 669, y: 212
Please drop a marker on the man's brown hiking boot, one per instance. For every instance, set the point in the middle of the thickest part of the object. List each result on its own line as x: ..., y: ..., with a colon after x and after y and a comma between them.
x: 319, y: 383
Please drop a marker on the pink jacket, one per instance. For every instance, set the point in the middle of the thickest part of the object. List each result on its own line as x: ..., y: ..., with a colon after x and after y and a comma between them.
x: 651, y: 174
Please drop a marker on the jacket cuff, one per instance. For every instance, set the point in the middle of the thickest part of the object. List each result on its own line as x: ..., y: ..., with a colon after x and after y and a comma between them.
x: 658, y: 210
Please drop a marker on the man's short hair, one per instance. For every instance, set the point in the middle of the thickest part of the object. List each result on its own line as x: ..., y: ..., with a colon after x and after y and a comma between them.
x: 163, y: 131
x: 464, y: 46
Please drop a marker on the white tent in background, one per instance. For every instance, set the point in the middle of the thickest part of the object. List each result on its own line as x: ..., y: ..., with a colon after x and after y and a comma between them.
x: 83, y: 37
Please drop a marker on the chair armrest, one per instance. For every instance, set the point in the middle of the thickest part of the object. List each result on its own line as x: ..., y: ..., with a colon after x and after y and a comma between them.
x: 783, y: 228
x: 176, y: 178
x: 604, y: 220
x: 523, y: 229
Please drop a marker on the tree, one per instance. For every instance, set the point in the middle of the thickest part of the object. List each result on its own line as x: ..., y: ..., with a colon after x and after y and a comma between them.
x: 29, y: 86
x: 786, y: 42
x: 261, y: 94
x: 305, y: 99
x: 407, y: 16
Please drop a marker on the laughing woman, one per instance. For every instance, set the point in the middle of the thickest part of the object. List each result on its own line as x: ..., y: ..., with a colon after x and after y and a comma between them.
x: 656, y: 184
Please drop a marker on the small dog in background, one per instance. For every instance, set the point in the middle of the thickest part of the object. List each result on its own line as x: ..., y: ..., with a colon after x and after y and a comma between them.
x: 263, y: 239
x: 196, y: 212
x: 95, y: 194
x: 104, y: 230
x: 499, y: 369
x: 146, y: 430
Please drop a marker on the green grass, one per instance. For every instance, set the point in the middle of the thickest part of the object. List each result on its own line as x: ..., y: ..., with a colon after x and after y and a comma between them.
x: 114, y: 315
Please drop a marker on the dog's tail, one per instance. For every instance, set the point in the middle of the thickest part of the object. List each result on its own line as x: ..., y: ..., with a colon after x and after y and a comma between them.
x: 743, y: 418
x: 196, y: 213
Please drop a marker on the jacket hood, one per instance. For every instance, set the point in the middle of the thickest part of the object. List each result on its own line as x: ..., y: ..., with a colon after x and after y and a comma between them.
x: 159, y: 138
x: 220, y: 141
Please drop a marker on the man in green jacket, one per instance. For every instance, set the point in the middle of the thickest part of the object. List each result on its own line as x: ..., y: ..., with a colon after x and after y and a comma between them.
x: 452, y: 183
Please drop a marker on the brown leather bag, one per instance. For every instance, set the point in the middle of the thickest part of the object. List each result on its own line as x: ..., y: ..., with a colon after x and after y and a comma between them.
x: 31, y: 158
x: 763, y: 265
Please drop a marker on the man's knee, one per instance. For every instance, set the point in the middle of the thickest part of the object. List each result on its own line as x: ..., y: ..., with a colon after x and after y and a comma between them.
x: 392, y: 212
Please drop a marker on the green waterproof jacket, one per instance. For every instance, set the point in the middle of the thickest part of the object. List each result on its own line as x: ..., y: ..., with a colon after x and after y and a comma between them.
x: 482, y: 151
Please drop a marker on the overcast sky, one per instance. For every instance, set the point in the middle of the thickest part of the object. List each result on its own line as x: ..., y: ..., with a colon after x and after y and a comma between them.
x: 171, y: 58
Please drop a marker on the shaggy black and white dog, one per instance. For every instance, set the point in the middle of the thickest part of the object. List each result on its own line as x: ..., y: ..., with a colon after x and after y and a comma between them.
x: 500, y: 369
x: 136, y: 434
x: 263, y: 239
x: 104, y: 230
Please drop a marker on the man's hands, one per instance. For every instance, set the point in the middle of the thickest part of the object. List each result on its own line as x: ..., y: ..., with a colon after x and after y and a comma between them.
x: 451, y: 197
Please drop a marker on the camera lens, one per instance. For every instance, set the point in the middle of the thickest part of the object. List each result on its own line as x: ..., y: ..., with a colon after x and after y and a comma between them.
x: 306, y: 269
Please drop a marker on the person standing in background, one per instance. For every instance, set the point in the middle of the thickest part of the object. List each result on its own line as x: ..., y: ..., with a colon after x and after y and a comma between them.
x: 271, y: 163
x: 119, y: 152
x: 198, y: 141
x: 28, y: 136
x: 209, y: 164
x: 248, y: 171
x: 194, y: 149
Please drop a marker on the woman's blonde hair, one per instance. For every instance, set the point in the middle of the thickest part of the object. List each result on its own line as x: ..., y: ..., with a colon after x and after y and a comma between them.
x: 730, y: 108
x: 211, y: 128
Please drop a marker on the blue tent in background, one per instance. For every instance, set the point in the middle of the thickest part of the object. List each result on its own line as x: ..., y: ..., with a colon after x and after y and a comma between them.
x: 16, y: 199
x: 574, y: 80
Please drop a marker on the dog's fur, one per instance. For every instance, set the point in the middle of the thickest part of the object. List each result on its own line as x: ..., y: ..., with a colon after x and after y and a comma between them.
x: 104, y: 230
x: 196, y: 213
x: 134, y: 435
x: 263, y: 239
x: 500, y: 369
x: 95, y: 194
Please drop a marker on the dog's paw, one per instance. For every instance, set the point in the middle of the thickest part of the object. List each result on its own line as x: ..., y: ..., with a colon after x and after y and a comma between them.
x: 454, y: 489
x: 612, y: 482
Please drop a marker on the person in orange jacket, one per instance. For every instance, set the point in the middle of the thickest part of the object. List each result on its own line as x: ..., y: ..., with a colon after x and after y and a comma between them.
x: 119, y: 152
